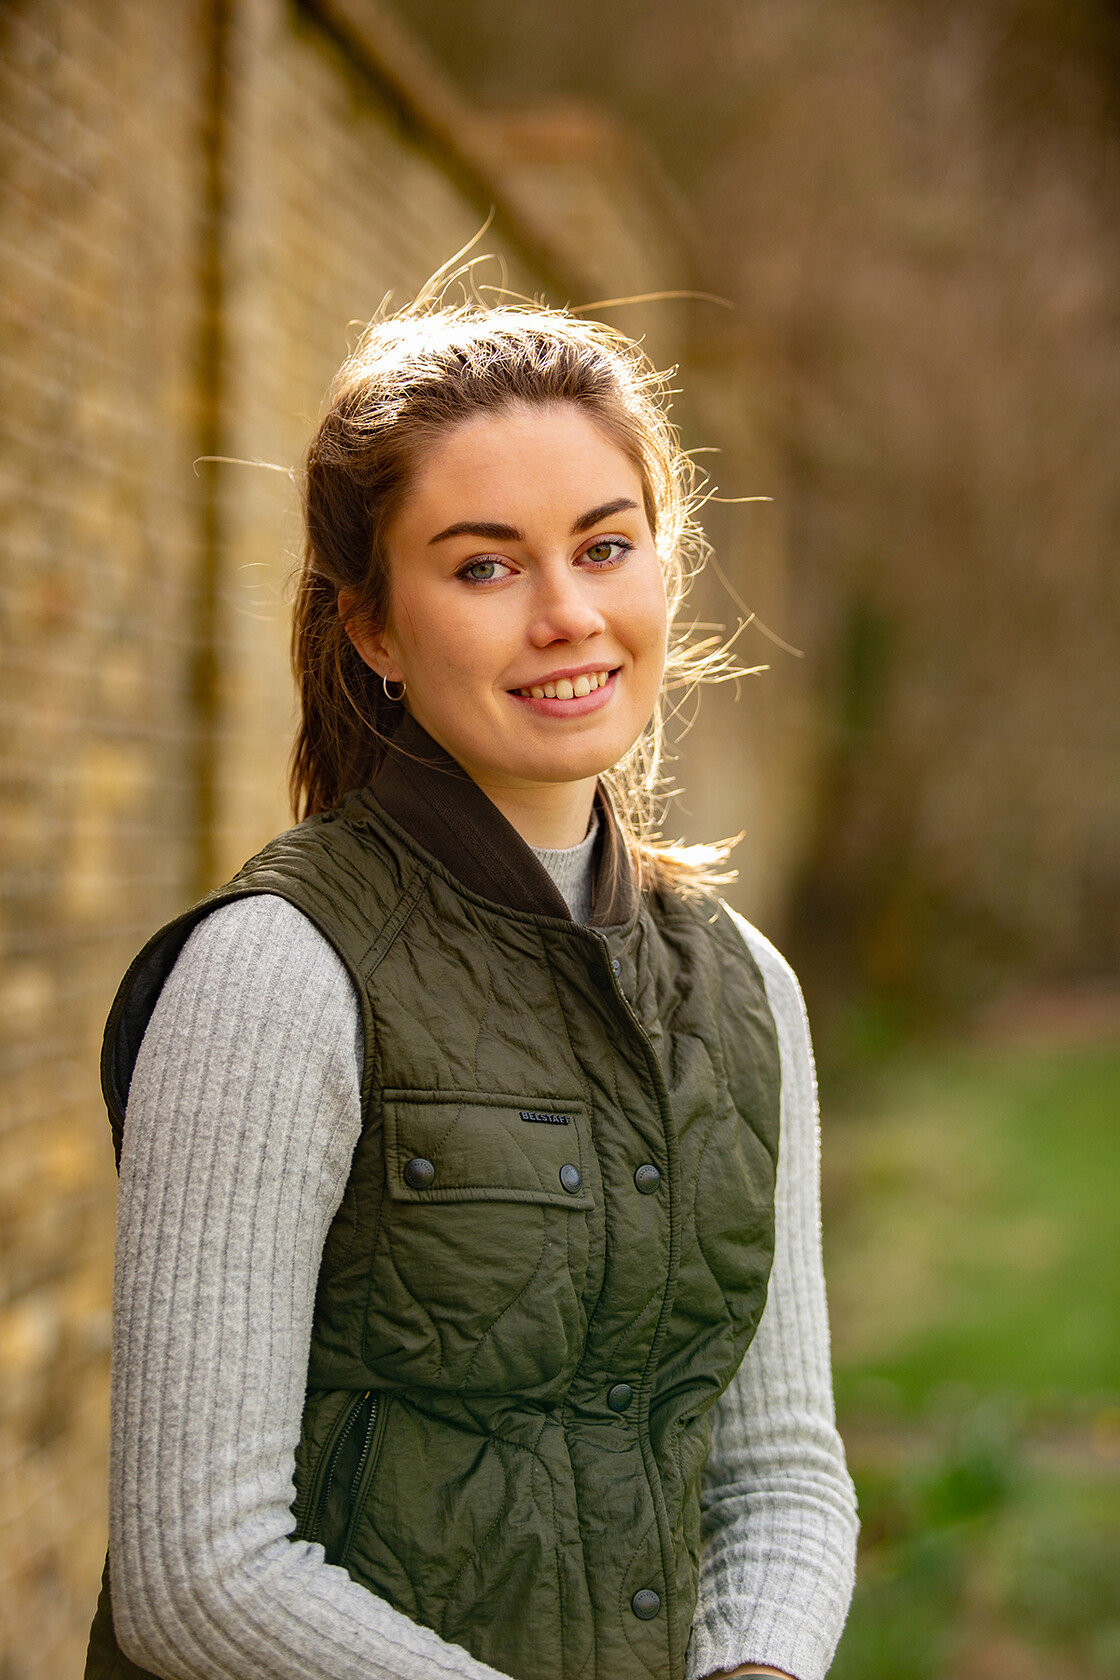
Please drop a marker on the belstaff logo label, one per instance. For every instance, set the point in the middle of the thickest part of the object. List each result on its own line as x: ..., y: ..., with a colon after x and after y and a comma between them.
x: 545, y: 1119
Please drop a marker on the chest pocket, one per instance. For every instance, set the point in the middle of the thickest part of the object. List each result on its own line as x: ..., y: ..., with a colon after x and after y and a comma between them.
x: 482, y: 1248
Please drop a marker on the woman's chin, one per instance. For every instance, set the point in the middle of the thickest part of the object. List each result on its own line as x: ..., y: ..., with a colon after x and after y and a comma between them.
x: 574, y: 760
x: 540, y: 769
x: 530, y: 750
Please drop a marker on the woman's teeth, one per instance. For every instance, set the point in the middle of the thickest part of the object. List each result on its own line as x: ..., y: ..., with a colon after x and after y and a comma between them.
x: 568, y: 688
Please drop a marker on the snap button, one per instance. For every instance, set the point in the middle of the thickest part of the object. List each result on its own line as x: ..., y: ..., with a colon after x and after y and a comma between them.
x: 571, y: 1178
x: 418, y: 1173
x: 647, y: 1178
x: 619, y: 1397
x: 645, y: 1604
x: 616, y: 966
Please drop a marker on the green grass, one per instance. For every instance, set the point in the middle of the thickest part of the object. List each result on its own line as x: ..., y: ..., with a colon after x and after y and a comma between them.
x: 973, y: 1249
x: 973, y: 1229
x: 976, y: 1561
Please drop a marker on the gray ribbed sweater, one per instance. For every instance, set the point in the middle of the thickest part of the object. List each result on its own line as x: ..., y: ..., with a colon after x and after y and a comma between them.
x: 242, y: 1117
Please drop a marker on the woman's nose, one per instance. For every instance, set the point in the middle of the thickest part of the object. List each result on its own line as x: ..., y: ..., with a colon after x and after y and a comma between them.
x: 564, y: 610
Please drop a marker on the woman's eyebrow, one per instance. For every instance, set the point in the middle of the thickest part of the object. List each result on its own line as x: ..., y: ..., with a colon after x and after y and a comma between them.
x: 479, y: 528
x: 510, y: 533
x: 621, y: 505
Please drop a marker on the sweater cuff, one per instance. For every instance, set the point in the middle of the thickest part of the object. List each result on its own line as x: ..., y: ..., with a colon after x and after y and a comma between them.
x: 754, y: 1631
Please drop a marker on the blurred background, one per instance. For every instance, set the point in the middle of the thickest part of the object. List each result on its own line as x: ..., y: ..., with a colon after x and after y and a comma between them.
x: 909, y: 208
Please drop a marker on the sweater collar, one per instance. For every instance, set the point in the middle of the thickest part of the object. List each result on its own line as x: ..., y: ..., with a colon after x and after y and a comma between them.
x: 430, y: 795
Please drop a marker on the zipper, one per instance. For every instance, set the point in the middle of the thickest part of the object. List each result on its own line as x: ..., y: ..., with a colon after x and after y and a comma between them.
x: 356, y: 1481
x: 348, y: 1422
x: 366, y: 1444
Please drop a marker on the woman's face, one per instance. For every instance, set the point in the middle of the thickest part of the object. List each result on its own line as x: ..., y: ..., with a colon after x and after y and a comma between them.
x: 527, y: 611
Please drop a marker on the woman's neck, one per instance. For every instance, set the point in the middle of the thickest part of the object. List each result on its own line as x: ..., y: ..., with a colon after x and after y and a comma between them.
x: 548, y: 816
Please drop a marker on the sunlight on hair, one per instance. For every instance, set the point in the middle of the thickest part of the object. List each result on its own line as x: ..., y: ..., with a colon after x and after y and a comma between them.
x: 459, y: 349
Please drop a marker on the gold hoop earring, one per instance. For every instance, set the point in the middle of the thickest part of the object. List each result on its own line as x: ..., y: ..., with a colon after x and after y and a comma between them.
x: 396, y: 697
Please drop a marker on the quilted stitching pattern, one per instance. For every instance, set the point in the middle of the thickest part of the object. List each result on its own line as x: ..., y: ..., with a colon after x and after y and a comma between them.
x: 509, y: 1507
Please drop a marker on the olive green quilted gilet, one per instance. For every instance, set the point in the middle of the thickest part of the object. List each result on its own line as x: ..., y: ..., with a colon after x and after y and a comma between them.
x: 550, y: 1257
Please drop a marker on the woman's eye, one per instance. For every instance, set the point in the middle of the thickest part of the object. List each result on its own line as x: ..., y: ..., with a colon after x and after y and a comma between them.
x: 485, y: 571
x: 607, y: 552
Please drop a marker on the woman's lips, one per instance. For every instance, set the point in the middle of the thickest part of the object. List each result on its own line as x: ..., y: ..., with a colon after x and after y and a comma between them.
x: 567, y: 702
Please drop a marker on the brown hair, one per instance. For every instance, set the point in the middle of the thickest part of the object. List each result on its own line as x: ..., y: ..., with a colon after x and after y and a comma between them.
x: 413, y: 377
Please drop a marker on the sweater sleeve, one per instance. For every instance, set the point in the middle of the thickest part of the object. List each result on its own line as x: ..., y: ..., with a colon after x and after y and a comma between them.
x: 779, y: 1515
x: 242, y: 1118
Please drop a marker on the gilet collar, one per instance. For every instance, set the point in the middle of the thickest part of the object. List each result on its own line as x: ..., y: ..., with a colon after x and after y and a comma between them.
x: 430, y: 795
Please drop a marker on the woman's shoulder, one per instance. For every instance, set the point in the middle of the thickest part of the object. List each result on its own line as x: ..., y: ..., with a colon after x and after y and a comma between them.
x: 312, y: 898
x: 264, y: 939
x: 262, y: 915
x: 782, y: 986
x: 255, y: 982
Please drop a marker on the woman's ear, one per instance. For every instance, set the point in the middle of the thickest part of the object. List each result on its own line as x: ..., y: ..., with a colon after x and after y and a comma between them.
x: 368, y: 642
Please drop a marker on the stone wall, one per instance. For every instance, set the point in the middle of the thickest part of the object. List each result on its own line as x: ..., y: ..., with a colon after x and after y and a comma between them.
x: 200, y: 203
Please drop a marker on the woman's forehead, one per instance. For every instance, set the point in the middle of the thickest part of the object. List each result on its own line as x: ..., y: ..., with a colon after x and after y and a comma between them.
x: 503, y: 467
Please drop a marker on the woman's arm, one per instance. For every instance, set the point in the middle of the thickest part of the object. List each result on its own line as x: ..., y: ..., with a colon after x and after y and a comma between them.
x: 779, y: 1509
x: 242, y: 1118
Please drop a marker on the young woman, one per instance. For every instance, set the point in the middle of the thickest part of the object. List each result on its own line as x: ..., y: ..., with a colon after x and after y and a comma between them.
x: 468, y: 1318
